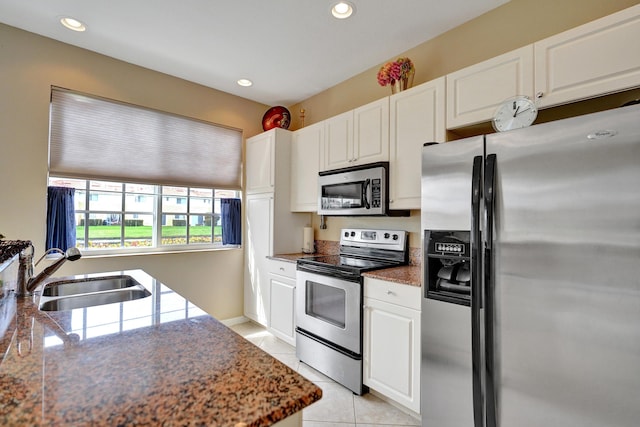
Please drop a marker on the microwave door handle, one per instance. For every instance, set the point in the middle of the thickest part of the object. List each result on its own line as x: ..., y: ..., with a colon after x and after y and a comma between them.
x: 365, y: 196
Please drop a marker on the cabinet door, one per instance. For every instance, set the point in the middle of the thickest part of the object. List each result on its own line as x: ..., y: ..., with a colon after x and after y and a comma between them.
x: 305, y: 165
x: 474, y: 93
x: 258, y: 245
x: 338, y: 141
x: 416, y: 117
x: 392, y: 351
x: 282, y: 298
x: 260, y: 152
x: 593, y: 59
x: 371, y: 132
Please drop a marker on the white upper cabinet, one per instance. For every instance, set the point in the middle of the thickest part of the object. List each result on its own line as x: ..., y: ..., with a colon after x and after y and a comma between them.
x: 474, y: 93
x: 306, y: 158
x: 358, y: 136
x: 338, y: 141
x: 593, y: 59
x: 416, y: 117
x: 371, y: 132
x: 260, y: 161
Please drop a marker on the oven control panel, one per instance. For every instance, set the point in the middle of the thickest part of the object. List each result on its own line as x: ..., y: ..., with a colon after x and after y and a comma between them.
x: 387, y: 239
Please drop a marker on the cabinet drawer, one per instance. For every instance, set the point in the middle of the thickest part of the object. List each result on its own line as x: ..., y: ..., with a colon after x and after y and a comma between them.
x: 283, y: 268
x: 393, y: 293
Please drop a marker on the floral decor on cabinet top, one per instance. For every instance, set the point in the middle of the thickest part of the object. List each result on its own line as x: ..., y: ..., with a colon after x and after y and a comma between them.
x: 398, y: 70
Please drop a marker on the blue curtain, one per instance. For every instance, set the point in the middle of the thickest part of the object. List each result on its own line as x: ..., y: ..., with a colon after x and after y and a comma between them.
x: 231, y: 222
x: 61, y: 219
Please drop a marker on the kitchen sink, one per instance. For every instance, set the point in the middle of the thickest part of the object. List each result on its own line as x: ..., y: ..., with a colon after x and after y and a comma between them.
x: 93, y: 299
x: 63, y: 288
x: 69, y: 294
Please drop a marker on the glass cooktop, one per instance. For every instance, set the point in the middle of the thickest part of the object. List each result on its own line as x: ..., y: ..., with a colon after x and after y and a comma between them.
x: 348, y: 262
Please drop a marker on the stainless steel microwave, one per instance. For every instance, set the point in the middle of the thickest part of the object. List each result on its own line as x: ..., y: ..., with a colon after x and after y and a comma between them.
x: 357, y: 190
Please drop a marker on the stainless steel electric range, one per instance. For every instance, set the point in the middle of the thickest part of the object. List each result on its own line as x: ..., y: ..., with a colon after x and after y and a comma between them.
x: 329, y: 299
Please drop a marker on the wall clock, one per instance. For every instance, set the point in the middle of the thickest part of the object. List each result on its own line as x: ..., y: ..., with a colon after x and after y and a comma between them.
x: 515, y: 113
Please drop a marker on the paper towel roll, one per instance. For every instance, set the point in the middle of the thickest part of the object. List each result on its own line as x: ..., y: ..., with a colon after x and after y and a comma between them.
x: 308, y: 246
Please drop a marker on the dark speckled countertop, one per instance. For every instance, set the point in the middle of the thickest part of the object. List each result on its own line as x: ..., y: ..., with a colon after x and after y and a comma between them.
x: 159, y: 360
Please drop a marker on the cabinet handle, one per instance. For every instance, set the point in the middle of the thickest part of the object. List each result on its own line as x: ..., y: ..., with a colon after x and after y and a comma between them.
x: 539, y: 95
x: 390, y: 293
x: 281, y: 268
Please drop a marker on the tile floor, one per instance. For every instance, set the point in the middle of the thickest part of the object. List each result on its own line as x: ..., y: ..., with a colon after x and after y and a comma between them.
x: 339, y: 407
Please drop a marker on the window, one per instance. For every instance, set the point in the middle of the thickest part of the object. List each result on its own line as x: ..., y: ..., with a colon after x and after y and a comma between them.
x: 144, y: 178
x: 128, y: 216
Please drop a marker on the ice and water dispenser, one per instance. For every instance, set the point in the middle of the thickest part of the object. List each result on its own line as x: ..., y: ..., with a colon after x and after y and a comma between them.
x: 447, y: 270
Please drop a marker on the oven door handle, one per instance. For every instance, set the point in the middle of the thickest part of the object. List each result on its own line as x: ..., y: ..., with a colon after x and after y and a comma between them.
x: 365, y: 194
x: 330, y: 272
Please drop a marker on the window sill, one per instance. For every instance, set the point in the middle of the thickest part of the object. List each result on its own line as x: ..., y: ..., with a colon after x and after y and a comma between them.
x: 164, y: 251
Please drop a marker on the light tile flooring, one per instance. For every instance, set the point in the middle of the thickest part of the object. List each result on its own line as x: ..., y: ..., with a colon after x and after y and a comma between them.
x: 339, y: 407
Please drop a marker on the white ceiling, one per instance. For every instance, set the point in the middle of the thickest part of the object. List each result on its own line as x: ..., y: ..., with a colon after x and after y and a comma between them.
x: 290, y: 49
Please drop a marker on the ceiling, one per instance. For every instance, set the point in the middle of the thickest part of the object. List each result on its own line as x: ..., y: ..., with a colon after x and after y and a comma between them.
x: 290, y: 49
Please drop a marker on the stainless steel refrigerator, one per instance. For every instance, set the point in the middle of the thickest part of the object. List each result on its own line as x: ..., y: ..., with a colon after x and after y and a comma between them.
x: 531, y: 291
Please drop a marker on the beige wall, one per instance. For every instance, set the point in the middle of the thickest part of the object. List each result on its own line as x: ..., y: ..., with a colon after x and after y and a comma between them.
x: 513, y: 25
x: 29, y: 66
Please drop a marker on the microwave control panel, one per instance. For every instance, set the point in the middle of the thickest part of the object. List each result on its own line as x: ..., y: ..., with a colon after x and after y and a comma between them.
x: 376, y: 190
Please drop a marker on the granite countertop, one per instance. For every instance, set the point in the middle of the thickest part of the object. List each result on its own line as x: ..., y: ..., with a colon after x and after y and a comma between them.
x: 405, y: 275
x: 156, y: 360
x: 10, y: 248
x: 292, y: 257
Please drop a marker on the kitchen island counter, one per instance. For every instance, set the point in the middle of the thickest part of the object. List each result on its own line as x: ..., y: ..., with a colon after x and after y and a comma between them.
x: 155, y: 360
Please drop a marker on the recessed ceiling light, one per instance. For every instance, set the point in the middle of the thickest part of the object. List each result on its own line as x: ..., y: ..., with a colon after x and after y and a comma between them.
x: 342, y: 10
x: 73, y: 24
x: 245, y: 82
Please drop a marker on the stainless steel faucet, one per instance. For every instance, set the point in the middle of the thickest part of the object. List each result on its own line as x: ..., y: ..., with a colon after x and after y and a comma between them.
x: 27, y: 283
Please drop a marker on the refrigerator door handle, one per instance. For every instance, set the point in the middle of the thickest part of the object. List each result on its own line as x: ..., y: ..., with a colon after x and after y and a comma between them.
x: 476, y: 293
x: 489, y: 204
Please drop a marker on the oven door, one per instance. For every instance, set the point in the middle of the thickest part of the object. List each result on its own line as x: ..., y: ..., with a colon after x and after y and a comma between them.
x: 330, y: 309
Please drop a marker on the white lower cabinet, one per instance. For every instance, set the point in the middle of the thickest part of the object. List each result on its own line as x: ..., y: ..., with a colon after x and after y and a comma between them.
x: 282, y: 286
x: 392, y: 341
x: 259, y: 221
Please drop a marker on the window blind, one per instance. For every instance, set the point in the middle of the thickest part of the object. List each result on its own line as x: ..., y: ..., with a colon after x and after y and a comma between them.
x: 97, y: 138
